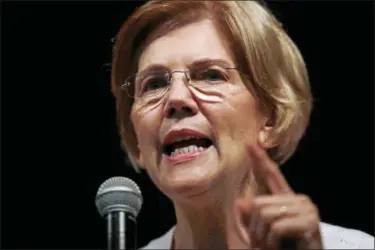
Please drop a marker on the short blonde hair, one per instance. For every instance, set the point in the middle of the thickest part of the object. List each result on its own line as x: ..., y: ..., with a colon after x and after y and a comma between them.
x: 263, y: 51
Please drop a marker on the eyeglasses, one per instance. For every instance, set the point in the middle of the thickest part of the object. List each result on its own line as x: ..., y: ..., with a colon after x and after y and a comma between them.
x: 155, y: 84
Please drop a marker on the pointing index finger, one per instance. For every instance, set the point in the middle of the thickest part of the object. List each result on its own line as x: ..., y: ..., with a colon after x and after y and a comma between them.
x: 268, y: 171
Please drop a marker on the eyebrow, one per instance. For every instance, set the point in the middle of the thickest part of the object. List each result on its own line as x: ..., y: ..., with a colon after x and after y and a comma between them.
x: 153, y: 67
x: 204, y: 62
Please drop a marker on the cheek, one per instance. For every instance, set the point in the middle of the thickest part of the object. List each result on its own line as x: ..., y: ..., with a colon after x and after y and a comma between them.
x: 146, y: 128
x: 234, y: 120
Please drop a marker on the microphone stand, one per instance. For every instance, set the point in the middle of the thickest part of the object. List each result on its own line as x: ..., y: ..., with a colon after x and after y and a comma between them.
x: 117, y: 225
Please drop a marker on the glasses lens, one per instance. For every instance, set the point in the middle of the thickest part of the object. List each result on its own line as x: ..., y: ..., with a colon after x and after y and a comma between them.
x: 151, y: 85
x: 155, y: 84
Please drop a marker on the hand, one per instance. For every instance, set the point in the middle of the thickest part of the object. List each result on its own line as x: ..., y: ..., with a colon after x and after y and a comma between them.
x: 281, y: 217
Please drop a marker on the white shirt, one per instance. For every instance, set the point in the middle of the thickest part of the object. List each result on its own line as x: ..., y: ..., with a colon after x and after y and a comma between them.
x: 334, y: 237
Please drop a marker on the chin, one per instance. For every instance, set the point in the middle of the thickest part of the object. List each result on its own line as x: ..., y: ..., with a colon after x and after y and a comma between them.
x: 190, y: 179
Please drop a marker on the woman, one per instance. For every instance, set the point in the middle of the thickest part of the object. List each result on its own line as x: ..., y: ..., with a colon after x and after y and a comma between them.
x: 211, y: 98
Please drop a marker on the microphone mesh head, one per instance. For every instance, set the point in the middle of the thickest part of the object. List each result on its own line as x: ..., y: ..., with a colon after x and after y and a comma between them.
x: 119, y: 194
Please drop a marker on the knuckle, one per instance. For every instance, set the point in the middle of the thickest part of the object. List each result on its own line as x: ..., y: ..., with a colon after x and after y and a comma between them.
x: 315, y: 211
x: 255, y: 209
x: 263, y: 214
x: 308, y: 223
x: 257, y: 203
x: 311, y: 222
x: 304, y: 198
x: 316, y: 218
x: 276, y: 229
x: 312, y: 209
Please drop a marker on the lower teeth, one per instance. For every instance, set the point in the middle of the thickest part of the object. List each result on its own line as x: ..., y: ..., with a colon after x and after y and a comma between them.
x: 189, y: 149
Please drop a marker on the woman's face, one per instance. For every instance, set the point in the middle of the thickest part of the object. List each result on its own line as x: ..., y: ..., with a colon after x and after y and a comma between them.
x: 193, y: 138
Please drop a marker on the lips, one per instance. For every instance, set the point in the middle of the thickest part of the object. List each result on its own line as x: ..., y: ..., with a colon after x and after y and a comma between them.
x: 185, y: 141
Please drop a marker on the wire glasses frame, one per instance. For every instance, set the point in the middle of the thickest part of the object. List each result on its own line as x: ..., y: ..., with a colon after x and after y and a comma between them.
x: 208, y: 78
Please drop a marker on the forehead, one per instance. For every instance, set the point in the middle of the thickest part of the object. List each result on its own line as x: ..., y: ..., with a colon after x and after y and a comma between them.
x: 185, y: 45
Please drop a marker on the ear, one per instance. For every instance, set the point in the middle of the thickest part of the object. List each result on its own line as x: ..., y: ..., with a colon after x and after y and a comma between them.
x: 267, y: 137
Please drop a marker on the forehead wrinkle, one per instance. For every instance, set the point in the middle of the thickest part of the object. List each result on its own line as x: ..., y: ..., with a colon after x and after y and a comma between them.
x: 194, y: 64
x: 157, y: 52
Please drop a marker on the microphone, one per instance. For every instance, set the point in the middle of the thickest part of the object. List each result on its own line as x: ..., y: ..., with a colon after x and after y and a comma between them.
x: 119, y: 201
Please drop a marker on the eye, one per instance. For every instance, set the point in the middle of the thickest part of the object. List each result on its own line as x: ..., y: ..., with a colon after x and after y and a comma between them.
x: 154, y: 82
x: 211, y: 75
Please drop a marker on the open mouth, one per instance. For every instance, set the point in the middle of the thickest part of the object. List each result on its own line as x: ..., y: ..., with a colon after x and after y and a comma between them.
x: 187, y: 145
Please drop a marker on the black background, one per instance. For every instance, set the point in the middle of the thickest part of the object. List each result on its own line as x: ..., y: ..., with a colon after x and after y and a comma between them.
x: 59, y: 139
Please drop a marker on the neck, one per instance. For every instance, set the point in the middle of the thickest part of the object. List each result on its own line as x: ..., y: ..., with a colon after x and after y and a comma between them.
x: 209, y: 224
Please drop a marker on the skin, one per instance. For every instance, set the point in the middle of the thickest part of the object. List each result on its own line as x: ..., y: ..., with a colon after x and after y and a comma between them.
x: 213, y: 207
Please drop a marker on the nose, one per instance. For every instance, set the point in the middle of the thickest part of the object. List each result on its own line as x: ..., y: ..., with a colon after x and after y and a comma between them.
x: 180, y: 102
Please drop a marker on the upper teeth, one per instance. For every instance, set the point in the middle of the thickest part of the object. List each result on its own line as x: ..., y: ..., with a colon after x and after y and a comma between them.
x: 182, y: 138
